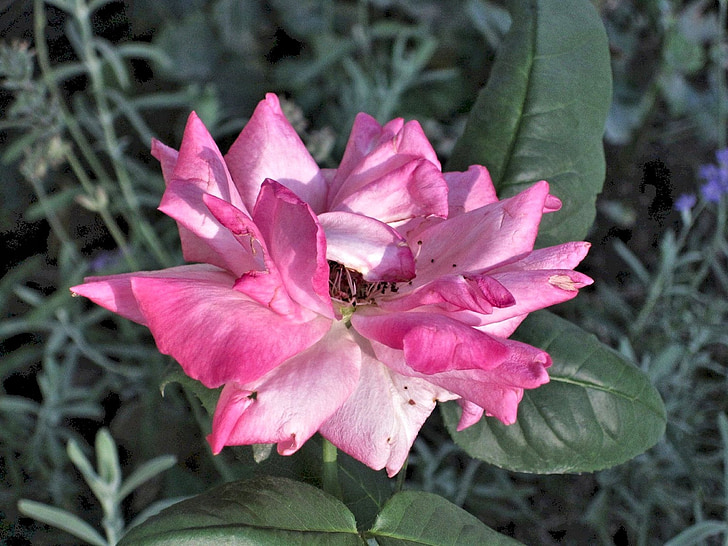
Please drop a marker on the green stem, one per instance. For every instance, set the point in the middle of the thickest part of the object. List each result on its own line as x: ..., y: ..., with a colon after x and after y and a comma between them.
x: 720, y: 70
x: 113, y: 146
x: 51, y: 216
x: 330, y: 470
x: 46, y: 72
x: 116, y: 233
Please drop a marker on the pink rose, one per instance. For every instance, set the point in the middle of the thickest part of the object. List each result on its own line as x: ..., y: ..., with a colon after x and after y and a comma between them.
x: 344, y: 301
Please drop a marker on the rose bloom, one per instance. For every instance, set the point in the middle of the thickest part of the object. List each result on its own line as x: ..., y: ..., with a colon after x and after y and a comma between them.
x: 345, y: 301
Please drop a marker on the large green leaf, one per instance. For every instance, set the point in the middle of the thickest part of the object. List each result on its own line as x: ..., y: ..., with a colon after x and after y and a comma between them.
x: 541, y: 115
x: 266, y: 510
x: 414, y: 517
x: 597, y: 411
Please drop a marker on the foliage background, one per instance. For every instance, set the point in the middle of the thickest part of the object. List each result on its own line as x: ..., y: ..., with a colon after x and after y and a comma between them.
x: 79, y: 190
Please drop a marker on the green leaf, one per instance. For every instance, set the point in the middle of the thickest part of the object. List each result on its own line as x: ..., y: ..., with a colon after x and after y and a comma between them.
x: 415, y: 517
x: 699, y: 533
x: 107, y: 459
x: 541, y: 115
x: 208, y: 397
x: 265, y: 510
x: 597, y: 411
x: 146, y: 472
x: 61, y: 519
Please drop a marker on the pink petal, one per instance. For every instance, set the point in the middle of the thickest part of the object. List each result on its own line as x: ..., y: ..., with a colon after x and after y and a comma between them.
x: 166, y: 156
x: 469, y: 190
x: 453, y: 293
x: 268, y: 147
x: 204, y: 238
x: 200, y: 163
x: 113, y: 292
x: 482, y: 238
x: 431, y: 343
x: 551, y: 204
x: 471, y: 414
x: 379, y: 422
x: 216, y: 333
x: 297, y: 246
x: 503, y: 328
x: 368, y: 246
x: 288, y: 404
x: 366, y: 134
x: 497, y: 389
x: 201, y: 170
x: 416, y: 188
x: 374, y: 151
x: 564, y: 256
x: 537, y: 289
x: 266, y: 287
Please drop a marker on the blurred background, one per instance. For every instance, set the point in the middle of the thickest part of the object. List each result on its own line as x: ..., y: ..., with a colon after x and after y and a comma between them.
x: 85, y: 85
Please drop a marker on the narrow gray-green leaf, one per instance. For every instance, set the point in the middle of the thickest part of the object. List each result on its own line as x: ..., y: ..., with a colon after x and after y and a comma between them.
x: 598, y: 410
x: 414, y: 518
x: 146, y: 472
x: 265, y: 510
x: 699, y: 533
x: 61, y: 519
x: 541, y: 115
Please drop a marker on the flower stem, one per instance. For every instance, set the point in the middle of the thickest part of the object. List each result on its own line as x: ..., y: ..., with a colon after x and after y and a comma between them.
x: 330, y: 470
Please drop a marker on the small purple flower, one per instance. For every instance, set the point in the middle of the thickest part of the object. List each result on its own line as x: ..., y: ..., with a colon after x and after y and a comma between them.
x: 722, y: 157
x: 712, y: 190
x: 716, y: 177
x: 685, y: 202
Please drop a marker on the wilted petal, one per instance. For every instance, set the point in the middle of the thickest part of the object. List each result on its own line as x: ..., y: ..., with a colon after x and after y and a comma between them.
x: 288, y: 405
x: 218, y: 334
x: 453, y: 293
x: 482, y: 238
x: 368, y: 246
x: 431, y: 343
x: 469, y: 190
x: 269, y: 147
x: 113, y: 292
x: 297, y: 245
x: 380, y: 420
x: 537, y: 289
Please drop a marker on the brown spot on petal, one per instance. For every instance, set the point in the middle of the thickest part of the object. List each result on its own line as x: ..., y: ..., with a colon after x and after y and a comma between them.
x: 563, y: 281
x: 411, y: 402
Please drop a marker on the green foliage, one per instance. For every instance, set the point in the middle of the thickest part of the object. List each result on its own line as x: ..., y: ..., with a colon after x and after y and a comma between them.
x: 106, y: 484
x: 79, y: 193
x: 413, y: 517
x: 275, y: 511
x: 598, y: 410
x: 672, y: 52
x: 541, y: 115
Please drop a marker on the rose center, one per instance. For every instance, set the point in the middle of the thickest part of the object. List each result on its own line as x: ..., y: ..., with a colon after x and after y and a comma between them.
x: 349, y: 288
